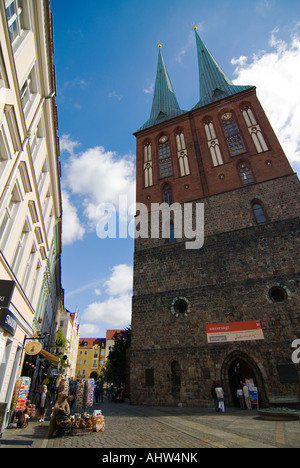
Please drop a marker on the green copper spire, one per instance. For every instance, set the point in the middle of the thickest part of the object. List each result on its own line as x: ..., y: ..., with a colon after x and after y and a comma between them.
x: 214, y: 83
x: 165, y: 105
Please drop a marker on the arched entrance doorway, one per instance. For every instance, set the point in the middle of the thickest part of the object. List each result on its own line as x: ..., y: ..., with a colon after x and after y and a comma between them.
x: 239, y: 367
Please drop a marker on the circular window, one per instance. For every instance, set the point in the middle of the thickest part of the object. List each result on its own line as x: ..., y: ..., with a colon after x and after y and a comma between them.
x: 180, y: 307
x: 278, y: 294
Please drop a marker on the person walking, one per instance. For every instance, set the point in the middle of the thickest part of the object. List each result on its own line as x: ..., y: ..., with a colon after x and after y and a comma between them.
x: 240, y: 397
x: 221, y: 397
x: 247, y: 396
x: 45, y: 400
x: 214, y: 396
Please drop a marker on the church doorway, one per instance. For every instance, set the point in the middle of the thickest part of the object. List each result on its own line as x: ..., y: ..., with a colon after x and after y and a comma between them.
x: 240, y: 372
x: 237, y: 368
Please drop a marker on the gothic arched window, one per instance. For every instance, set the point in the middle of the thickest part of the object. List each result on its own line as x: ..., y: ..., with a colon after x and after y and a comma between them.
x: 168, y: 195
x: 246, y: 174
x: 254, y: 130
x: 232, y: 133
x: 182, y: 154
x: 259, y: 212
x: 165, y: 157
x: 148, y: 167
x: 213, y: 143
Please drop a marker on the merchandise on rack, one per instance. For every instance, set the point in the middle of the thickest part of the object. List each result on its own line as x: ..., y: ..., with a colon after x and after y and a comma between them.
x: 88, y: 399
x: 79, y: 394
x: 20, y: 394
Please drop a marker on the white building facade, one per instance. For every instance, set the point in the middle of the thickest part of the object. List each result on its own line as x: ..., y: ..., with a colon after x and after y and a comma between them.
x: 30, y: 196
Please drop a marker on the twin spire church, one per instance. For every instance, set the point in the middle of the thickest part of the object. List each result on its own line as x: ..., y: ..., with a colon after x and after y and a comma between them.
x: 230, y: 311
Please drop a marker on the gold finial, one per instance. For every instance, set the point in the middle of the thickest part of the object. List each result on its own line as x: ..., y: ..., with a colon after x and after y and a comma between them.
x: 159, y: 45
x: 194, y: 27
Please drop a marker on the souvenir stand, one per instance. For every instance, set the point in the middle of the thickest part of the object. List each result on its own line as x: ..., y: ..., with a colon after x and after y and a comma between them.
x: 84, y: 399
x: 20, y: 394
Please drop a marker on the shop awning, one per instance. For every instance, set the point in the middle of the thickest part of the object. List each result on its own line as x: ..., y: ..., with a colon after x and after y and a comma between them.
x: 49, y: 357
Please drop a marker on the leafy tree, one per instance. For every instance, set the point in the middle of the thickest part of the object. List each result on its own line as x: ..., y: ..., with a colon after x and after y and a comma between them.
x: 115, y: 370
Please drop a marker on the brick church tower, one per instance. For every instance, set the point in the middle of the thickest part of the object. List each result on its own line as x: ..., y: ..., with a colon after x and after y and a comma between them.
x: 230, y: 310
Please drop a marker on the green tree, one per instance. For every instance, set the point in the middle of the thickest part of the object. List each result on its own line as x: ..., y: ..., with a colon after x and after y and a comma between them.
x: 115, y: 370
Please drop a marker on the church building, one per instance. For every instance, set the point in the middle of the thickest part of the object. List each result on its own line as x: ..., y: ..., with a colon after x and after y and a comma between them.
x: 228, y: 311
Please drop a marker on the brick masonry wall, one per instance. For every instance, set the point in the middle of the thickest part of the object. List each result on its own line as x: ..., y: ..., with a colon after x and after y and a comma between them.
x: 226, y: 281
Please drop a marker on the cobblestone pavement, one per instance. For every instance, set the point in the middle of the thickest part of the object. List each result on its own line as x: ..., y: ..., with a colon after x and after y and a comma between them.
x: 173, y: 428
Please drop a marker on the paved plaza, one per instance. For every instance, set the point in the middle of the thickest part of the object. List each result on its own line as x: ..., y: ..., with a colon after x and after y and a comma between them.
x: 164, y: 428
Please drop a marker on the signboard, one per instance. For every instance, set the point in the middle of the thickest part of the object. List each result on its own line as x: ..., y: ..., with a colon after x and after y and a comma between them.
x: 8, y: 321
x: 6, y: 292
x: 33, y: 348
x: 253, y: 392
x: 234, y: 332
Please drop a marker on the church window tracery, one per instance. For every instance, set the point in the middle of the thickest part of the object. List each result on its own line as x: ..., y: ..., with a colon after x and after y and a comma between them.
x: 213, y: 143
x: 254, y: 129
x: 165, y: 157
x: 232, y: 133
x: 182, y: 154
x: 148, y: 166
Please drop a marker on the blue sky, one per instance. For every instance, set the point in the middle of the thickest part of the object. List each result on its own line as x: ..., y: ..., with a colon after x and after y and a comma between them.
x: 106, y: 58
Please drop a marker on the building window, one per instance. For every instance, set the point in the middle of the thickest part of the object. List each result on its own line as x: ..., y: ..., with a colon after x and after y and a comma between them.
x: 149, y: 377
x: 168, y: 195
x: 29, y: 91
x: 3, y: 75
x: 213, y: 143
x: 10, y: 214
x: 148, y: 167
x: 246, y: 174
x: 233, y: 136
x: 14, y: 16
x: 278, y: 294
x: 254, y: 130
x: 165, y: 157
x: 259, y: 212
x: 20, y: 247
x: 182, y: 155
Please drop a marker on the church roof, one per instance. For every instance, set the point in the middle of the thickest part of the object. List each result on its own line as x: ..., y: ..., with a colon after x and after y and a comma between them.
x: 165, y: 105
x: 214, y: 86
x: 214, y: 83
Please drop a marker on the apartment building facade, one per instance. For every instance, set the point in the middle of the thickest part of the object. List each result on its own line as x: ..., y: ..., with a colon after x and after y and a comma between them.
x: 30, y: 197
x: 91, y: 358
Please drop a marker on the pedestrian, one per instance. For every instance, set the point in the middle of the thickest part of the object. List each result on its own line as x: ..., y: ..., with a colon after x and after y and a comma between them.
x: 101, y: 392
x: 247, y: 396
x: 97, y: 393
x: 214, y: 396
x: 221, y: 397
x: 45, y: 400
x: 240, y: 397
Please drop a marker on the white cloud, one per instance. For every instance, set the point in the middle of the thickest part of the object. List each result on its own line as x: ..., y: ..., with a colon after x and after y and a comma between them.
x: 276, y: 75
x: 115, y: 95
x: 66, y: 144
x: 89, y: 330
x: 120, y: 281
x: 71, y: 227
x: 150, y: 89
x: 115, y: 311
x: 100, y: 176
